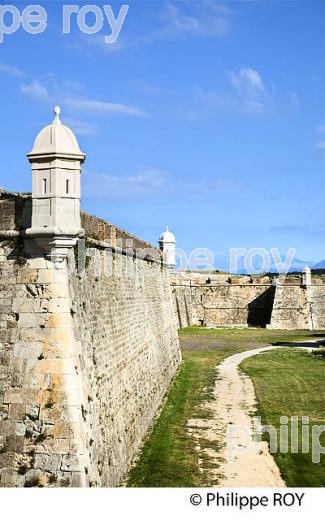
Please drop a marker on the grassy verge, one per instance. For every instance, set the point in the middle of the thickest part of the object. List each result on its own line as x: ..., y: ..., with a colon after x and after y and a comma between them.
x: 249, y: 335
x: 291, y: 383
x: 169, y: 457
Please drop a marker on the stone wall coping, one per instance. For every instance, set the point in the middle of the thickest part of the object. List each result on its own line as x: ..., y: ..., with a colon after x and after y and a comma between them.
x: 134, y: 253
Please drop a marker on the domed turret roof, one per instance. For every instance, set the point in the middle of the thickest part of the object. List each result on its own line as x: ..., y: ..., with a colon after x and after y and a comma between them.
x: 167, y: 236
x: 56, y: 139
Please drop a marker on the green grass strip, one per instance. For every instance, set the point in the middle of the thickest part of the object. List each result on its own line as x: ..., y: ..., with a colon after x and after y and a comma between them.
x: 291, y: 383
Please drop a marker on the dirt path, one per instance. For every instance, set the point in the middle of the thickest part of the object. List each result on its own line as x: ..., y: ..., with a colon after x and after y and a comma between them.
x: 234, y: 403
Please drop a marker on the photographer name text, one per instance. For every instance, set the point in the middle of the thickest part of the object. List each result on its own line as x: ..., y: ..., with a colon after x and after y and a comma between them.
x: 89, y: 19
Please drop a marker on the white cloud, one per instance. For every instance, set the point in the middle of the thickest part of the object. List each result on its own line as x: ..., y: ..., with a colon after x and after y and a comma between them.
x: 253, y: 107
x: 247, y: 79
x: 249, y: 95
x: 35, y: 90
x: 98, y: 41
x: 197, y: 19
x: 150, y: 88
x: 12, y: 71
x: 145, y: 182
x: 80, y: 127
x: 209, y: 19
x: 149, y: 182
x: 207, y: 101
x: 92, y: 105
x: 219, y: 185
x: 63, y: 94
x: 320, y: 146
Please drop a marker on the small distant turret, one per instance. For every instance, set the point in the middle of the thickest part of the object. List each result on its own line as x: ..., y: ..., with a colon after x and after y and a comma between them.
x: 167, y: 244
x: 306, y: 276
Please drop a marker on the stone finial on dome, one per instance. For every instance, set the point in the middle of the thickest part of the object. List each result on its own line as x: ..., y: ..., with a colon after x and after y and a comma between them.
x: 57, y: 112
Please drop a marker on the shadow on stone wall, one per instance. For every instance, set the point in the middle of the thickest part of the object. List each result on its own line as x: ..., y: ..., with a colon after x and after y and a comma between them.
x: 260, y: 309
x: 15, y: 211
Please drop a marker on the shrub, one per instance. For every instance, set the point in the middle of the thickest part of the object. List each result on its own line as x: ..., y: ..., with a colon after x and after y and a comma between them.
x: 319, y: 352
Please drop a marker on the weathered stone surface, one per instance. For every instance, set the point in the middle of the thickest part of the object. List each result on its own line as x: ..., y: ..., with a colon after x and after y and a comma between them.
x: 2, y: 443
x: 46, y: 462
x: 70, y: 463
x: 17, y: 411
x: 20, y: 429
x: 13, y: 397
x: 129, y: 361
x: 11, y: 478
x: 32, y: 411
x: 85, y: 359
x: 31, y: 320
x: 247, y: 301
x: 87, y: 353
x: 4, y: 410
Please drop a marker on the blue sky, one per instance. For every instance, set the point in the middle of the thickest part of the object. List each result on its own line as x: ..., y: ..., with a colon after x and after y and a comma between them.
x: 206, y: 116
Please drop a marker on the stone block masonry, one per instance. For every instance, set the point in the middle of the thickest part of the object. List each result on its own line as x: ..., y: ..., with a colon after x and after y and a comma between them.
x: 127, y: 334
x: 85, y: 358
x: 290, y: 308
x: 316, y: 303
x: 39, y: 385
x: 220, y: 300
x: 89, y: 344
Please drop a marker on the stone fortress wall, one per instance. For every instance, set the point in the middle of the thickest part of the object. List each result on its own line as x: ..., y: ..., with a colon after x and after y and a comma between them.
x: 216, y: 300
x: 85, y: 357
x: 88, y: 326
x: 88, y: 349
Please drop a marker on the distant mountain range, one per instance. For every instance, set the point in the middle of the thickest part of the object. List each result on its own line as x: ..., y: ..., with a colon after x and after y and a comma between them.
x: 320, y: 265
x: 222, y: 263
